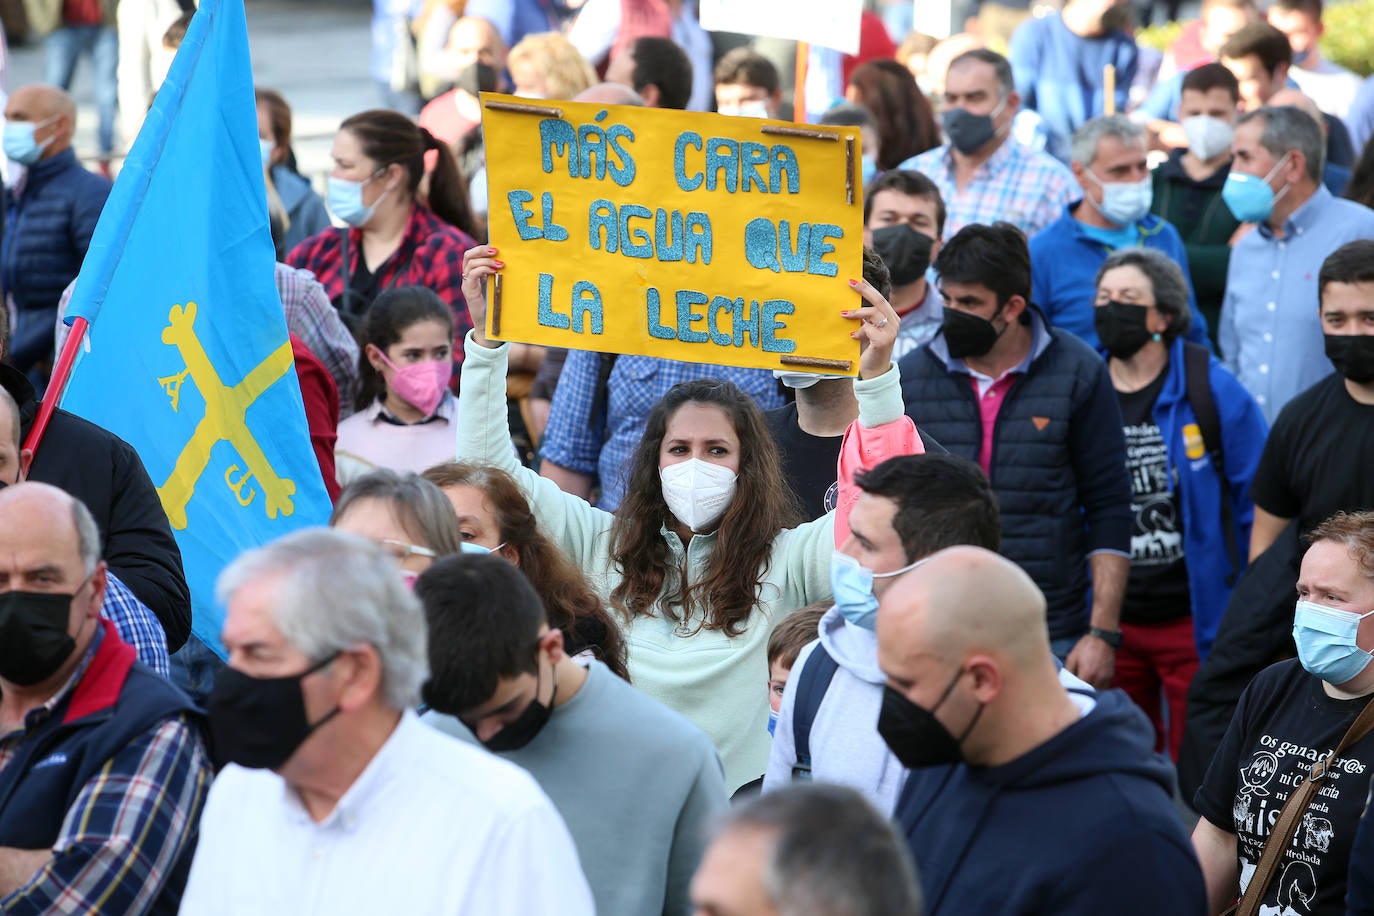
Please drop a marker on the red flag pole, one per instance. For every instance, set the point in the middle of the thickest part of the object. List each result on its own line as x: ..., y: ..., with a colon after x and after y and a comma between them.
x: 60, y: 374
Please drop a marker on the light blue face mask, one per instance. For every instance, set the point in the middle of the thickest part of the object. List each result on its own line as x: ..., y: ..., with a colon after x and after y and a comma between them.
x: 853, y: 588
x: 266, y: 147
x: 772, y: 721
x: 1326, y: 642
x: 344, y: 198
x: 470, y: 547
x: 1248, y: 197
x: 19, y: 143
x: 1124, y: 202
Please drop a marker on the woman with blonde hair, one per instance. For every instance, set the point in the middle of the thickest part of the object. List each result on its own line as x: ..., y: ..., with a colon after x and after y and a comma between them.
x: 547, y: 66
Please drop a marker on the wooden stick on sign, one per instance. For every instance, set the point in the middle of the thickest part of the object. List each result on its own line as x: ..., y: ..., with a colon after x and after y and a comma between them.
x: 1109, y: 90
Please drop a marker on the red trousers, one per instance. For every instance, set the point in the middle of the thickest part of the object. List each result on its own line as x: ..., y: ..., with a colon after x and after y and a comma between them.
x: 1157, y: 661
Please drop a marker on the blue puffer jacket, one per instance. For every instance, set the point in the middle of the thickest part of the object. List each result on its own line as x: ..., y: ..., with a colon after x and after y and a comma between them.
x: 47, y: 231
x: 1058, y: 458
x: 1211, y: 573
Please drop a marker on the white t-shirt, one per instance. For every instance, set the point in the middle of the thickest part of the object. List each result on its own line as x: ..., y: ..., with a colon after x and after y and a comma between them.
x: 1330, y: 85
x: 431, y: 826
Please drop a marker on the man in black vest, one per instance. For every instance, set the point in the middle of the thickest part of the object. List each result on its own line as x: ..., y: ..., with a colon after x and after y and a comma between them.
x: 1034, y: 407
x: 103, y: 769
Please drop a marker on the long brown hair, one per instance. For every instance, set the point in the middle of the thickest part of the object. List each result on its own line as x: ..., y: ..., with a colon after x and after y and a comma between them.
x: 569, y: 600
x: 388, y: 137
x: 762, y: 506
x: 906, y: 122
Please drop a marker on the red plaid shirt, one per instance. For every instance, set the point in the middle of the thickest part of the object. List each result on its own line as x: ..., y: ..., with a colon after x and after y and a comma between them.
x: 430, y: 254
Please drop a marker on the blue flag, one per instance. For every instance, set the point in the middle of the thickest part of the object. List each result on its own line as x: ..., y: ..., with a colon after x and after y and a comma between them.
x: 188, y: 358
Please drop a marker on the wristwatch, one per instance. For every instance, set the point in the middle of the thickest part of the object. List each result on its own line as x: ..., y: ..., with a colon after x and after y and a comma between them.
x: 1110, y: 637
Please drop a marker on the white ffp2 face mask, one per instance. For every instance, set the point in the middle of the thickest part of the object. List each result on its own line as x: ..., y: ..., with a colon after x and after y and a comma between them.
x: 1208, y: 137
x: 697, y: 492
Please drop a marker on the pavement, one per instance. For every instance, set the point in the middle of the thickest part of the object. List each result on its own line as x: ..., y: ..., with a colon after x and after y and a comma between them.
x: 315, y: 52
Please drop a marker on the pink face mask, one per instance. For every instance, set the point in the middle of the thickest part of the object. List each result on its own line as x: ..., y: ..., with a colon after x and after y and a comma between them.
x: 422, y: 385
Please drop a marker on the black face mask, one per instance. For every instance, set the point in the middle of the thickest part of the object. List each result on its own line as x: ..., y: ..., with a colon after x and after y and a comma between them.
x: 259, y: 722
x: 915, y: 736
x: 1352, y: 355
x: 1121, y: 328
x: 967, y: 334
x: 477, y: 77
x: 968, y: 132
x: 905, y: 251
x: 34, y: 641
x: 521, y: 730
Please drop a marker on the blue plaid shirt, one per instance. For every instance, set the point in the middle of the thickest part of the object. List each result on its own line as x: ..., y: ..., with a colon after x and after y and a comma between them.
x: 636, y: 384
x: 1018, y: 185
x: 136, y: 625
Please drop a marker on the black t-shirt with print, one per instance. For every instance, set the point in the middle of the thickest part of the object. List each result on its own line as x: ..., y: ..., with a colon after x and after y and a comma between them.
x: 1158, y: 586
x: 1316, y: 461
x: 1283, y: 723
x: 808, y: 462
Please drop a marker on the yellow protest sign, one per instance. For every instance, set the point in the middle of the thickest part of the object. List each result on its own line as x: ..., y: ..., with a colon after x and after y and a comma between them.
x: 688, y: 236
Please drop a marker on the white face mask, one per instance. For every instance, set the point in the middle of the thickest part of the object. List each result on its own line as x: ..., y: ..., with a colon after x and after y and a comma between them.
x: 1208, y: 137
x: 697, y: 492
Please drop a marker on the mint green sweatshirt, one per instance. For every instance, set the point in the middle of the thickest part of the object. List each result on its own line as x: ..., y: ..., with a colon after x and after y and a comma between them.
x: 719, y: 682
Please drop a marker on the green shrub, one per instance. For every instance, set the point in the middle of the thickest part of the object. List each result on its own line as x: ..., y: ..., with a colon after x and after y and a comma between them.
x: 1349, y: 38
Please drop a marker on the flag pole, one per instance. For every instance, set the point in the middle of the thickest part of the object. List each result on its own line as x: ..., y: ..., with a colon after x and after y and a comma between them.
x: 799, y: 87
x: 60, y: 374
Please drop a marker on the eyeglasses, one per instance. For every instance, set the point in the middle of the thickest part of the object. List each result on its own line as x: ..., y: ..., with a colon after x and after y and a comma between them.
x: 400, y: 551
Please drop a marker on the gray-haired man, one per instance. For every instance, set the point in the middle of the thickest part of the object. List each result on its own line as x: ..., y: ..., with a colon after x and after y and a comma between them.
x: 333, y: 796
x: 1109, y: 165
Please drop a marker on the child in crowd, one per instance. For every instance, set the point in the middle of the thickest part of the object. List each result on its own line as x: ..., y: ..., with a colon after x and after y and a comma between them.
x: 405, y: 411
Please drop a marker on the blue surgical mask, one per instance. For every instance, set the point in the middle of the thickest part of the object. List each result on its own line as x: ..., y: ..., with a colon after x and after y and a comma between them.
x: 772, y: 721
x: 266, y: 147
x: 869, y: 169
x: 852, y: 585
x: 19, y: 143
x: 1125, y: 202
x: 470, y: 547
x: 1249, y: 198
x: 1326, y: 642
x: 345, y: 200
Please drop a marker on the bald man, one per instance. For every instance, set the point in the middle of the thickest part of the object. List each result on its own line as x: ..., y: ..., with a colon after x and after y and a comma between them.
x: 103, y: 769
x: 1024, y: 797
x: 472, y: 60
x: 49, y: 219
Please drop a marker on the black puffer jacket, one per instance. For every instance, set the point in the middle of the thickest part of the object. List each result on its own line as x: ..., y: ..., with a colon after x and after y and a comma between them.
x: 1058, y: 459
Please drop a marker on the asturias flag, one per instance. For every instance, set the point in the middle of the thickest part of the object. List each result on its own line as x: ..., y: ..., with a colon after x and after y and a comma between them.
x: 188, y: 357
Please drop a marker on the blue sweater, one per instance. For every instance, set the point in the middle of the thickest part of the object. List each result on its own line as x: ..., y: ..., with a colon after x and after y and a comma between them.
x: 1059, y: 74
x: 1211, y: 574
x: 1064, y: 265
x: 1082, y: 825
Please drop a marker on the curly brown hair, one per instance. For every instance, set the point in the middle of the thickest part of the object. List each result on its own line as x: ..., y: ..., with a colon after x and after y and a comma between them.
x: 572, y: 604
x: 1355, y: 530
x: 763, y: 505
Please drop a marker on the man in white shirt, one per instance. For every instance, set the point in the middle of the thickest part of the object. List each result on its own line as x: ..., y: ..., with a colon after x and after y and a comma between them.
x: 1328, y: 84
x: 333, y: 796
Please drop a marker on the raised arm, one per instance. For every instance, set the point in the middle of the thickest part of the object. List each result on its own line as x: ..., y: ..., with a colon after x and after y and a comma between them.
x: 484, y: 428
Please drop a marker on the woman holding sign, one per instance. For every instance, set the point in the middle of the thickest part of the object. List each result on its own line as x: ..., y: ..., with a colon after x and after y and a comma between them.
x: 698, y: 560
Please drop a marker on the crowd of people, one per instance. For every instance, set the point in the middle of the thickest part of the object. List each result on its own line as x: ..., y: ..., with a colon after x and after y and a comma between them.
x: 1062, y: 605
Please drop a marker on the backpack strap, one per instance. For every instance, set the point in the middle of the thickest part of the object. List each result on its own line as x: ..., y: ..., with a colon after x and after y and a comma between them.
x: 1198, y: 386
x: 815, y: 678
x: 599, y: 419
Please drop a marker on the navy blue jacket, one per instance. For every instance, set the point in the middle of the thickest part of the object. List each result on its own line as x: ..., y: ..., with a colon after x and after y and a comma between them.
x: 1058, y: 458
x: 1082, y: 825
x: 47, y: 231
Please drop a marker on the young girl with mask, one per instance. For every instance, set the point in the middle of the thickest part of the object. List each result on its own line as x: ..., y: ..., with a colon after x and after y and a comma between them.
x: 405, y: 414
x: 699, y: 561
x: 396, y: 236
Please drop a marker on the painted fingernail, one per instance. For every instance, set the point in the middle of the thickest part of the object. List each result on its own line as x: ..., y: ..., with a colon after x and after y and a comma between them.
x: 500, y: 263
x: 853, y: 282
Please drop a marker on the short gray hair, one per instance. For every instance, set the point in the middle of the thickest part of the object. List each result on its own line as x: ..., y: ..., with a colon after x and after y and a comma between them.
x: 1087, y: 137
x: 832, y: 853
x: 999, y: 64
x: 421, y: 507
x: 337, y: 590
x: 1167, y: 282
x: 87, y: 535
x: 1287, y: 129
